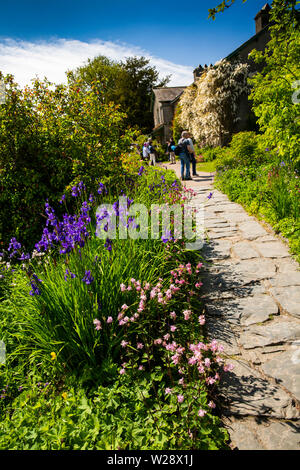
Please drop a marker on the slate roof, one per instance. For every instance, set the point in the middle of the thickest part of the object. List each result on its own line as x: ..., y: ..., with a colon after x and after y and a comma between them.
x: 168, y: 93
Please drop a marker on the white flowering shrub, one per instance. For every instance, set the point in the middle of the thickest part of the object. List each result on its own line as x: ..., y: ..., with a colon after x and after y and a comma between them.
x: 209, y: 107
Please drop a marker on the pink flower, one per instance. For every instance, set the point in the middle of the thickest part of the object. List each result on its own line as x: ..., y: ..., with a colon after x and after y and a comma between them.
x: 173, y: 328
x: 167, y: 337
x: 228, y: 367
x: 124, y: 343
x: 168, y: 391
x: 140, y: 345
x: 175, y: 358
x: 210, y: 380
x: 157, y: 341
x: 207, y: 362
x: 122, y: 371
x: 97, y: 324
x: 201, y: 413
x: 180, y: 398
x: 171, y: 347
x: 187, y: 314
x: 181, y: 381
x: 109, y: 320
x: 192, y: 360
x: 141, y: 367
x: 211, y: 404
x: 201, y: 319
x: 173, y: 315
x: 124, y: 307
x: 123, y: 287
x: 198, y: 284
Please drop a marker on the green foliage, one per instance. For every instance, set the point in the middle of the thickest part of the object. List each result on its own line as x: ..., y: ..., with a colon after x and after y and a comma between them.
x: 52, y: 137
x: 121, y: 416
x: 221, y: 7
x: 128, y: 84
x: 245, y: 149
x: 208, y: 154
x: 275, y: 101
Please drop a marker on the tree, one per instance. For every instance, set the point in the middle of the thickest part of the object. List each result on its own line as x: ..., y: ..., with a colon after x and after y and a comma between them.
x: 52, y: 137
x: 128, y: 84
x: 273, y: 89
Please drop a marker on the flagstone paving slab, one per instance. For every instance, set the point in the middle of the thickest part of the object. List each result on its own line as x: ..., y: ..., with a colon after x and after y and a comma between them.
x: 289, y: 299
x: 249, y: 394
x: 286, y: 279
x: 284, y: 331
x: 252, y: 230
x: 247, y: 434
x: 285, y: 368
x: 244, y: 250
x: 272, y: 249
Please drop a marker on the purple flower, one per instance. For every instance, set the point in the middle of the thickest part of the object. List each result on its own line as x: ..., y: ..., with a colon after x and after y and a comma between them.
x: 210, y: 196
x: 108, y: 244
x: 14, y: 246
x: 87, y: 278
x: 102, y: 189
x: 35, y: 290
x: 69, y: 275
x: 24, y: 257
x: 141, y: 170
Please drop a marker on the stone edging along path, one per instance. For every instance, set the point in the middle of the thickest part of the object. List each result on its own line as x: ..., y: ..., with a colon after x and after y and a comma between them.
x: 252, y: 300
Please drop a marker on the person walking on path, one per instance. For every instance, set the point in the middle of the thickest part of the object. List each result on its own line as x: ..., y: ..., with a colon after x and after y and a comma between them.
x: 152, y: 152
x: 184, y: 156
x: 146, y: 151
x: 192, y: 156
x: 171, y: 148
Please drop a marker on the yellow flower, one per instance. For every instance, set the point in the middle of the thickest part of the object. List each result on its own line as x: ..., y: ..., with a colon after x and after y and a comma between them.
x: 53, y: 356
x: 64, y: 395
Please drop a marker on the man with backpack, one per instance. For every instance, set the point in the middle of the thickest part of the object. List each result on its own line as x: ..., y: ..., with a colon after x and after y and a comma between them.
x: 184, y: 149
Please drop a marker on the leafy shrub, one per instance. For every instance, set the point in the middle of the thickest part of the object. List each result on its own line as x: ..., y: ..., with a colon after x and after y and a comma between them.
x: 115, y: 417
x: 51, y: 138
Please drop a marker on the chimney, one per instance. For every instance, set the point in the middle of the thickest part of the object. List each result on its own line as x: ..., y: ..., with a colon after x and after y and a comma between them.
x: 262, y: 18
x: 198, y: 72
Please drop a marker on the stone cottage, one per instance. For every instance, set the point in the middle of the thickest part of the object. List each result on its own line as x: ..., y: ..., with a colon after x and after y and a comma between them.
x: 165, y: 99
x: 163, y: 106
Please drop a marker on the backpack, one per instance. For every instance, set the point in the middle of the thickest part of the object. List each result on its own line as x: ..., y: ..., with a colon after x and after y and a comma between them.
x: 181, y: 148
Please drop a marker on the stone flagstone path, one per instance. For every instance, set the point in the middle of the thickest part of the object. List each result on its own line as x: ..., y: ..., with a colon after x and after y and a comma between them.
x: 252, y: 301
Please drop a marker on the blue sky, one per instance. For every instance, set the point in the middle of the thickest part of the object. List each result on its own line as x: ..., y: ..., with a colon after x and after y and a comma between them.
x: 45, y: 38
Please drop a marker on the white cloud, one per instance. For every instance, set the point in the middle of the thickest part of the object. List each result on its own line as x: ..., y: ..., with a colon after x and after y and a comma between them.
x: 26, y: 60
